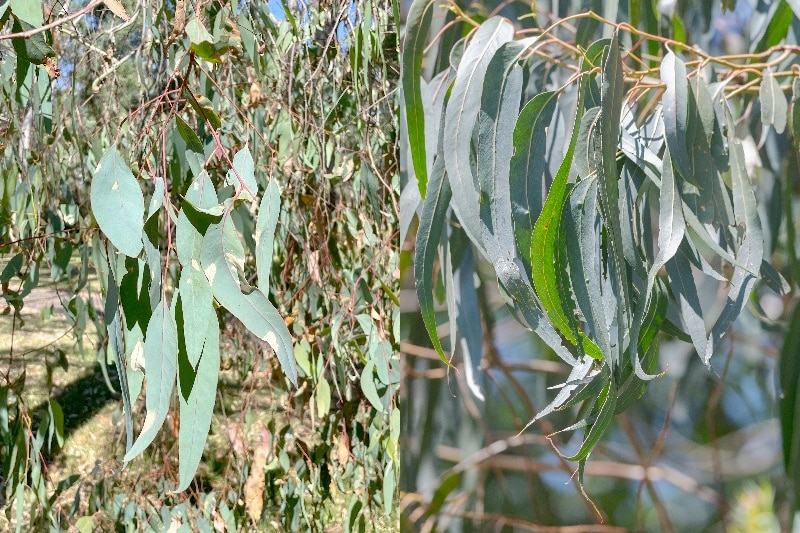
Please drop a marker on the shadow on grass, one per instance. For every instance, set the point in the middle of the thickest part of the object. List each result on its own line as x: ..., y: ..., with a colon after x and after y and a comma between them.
x: 80, y: 400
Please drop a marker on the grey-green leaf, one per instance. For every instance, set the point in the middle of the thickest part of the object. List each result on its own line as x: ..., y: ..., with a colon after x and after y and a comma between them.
x: 242, y: 176
x: 118, y: 203
x: 196, y: 411
x: 247, y: 304
x: 675, y: 103
x: 527, y: 169
x: 774, y: 109
x: 161, y: 360
x: 197, y: 309
x: 460, y: 119
x: 267, y: 221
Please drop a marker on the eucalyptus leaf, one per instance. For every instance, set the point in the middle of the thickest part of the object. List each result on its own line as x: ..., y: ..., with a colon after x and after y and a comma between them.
x: 118, y: 203
x: 247, y: 304
x: 774, y: 109
x: 161, y: 359
x: 196, y: 411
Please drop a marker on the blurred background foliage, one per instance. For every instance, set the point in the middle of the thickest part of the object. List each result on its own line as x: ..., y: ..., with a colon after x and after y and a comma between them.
x: 702, y: 449
x: 309, y: 87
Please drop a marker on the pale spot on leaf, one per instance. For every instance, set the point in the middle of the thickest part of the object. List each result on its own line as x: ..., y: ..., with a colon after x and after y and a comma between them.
x: 149, y: 420
x: 272, y: 340
x: 137, y: 357
x: 115, y: 186
x: 211, y: 271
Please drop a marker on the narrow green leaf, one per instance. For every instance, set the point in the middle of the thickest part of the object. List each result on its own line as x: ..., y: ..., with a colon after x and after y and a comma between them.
x: 196, y: 411
x: 675, y: 102
x: 204, y: 108
x: 670, y: 234
x: 511, y: 277
x: 527, y: 170
x: 118, y: 203
x: 161, y: 360
x: 448, y: 484
x: 418, y: 25
x: 267, y: 221
x: 544, y: 239
x: 780, y: 19
x: 431, y: 226
x: 247, y: 304
x: 579, y: 375
x: 584, y: 268
x: 188, y: 135
x: 468, y: 320
x: 774, y: 109
x: 789, y: 403
x: 369, y: 388
x: 389, y: 484
x: 114, y: 329
x: 607, y: 403
x: 796, y: 115
x: 605, y: 160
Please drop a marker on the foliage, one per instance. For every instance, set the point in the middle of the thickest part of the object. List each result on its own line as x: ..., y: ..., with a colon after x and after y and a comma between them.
x: 222, y: 188
x: 552, y: 155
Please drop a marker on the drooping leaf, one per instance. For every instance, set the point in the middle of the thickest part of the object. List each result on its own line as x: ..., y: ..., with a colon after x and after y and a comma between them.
x: 197, y: 409
x: 751, y: 248
x: 671, y: 230
x: 774, y: 109
x: 780, y: 19
x: 118, y: 203
x: 789, y: 374
x: 267, y: 221
x: 468, y: 320
x: 114, y: 330
x: 461, y: 116
x: 527, y: 170
x: 161, y: 360
x: 607, y: 403
x: 578, y: 375
x: 499, y: 107
x: 674, y: 102
x: 246, y: 303
x: 683, y: 286
x: 546, y: 234
x: 512, y: 278
x: 431, y: 227
x: 604, y: 152
x: 197, y: 309
x: 418, y: 25
x: 579, y: 222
